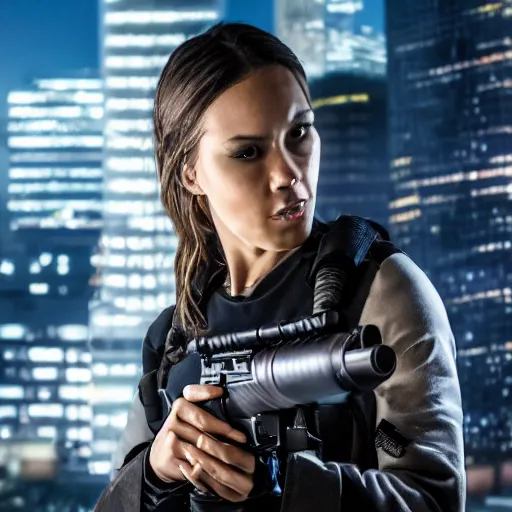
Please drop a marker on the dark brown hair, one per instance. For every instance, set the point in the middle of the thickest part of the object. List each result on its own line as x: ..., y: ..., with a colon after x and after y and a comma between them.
x: 197, y: 72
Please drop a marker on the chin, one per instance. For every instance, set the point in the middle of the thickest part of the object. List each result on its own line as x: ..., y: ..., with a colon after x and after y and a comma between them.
x: 288, y: 237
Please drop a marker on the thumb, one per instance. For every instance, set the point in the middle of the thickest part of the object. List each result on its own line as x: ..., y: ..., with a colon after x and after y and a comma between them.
x: 200, y: 393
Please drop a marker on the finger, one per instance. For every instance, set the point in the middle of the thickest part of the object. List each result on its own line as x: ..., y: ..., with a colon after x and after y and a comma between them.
x: 225, y: 452
x: 221, y: 472
x: 199, y: 393
x: 205, y: 422
x: 192, y: 475
x: 222, y: 490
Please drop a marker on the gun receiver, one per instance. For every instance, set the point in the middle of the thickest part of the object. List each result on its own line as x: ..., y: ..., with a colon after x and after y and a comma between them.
x: 283, y: 365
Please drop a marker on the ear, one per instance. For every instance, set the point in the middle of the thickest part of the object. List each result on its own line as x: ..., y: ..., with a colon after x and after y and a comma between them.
x: 189, y: 179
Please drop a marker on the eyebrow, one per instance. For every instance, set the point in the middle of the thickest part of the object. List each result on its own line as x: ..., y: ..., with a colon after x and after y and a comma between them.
x: 300, y: 114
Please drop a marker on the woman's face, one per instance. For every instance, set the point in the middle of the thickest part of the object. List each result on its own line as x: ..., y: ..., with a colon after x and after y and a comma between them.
x: 258, y: 157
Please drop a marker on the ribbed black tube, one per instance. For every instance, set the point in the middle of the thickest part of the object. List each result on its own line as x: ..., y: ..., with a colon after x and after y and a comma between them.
x: 329, y: 284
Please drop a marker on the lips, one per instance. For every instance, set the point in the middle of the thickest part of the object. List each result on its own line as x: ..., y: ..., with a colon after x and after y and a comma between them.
x: 290, y: 206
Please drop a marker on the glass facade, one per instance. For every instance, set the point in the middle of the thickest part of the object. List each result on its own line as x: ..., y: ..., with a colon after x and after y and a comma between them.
x: 54, y: 201
x: 326, y: 37
x: 134, y: 262
x: 350, y: 116
x: 55, y: 142
x: 450, y: 104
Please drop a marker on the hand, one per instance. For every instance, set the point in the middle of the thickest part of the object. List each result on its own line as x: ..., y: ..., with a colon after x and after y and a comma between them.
x: 184, y: 448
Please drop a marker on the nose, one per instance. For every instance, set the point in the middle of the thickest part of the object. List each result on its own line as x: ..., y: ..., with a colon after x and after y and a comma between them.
x: 284, y: 172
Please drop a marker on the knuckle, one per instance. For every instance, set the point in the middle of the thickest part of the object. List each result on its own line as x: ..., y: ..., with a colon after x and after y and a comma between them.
x: 202, y: 442
x: 201, y: 422
x: 178, y: 404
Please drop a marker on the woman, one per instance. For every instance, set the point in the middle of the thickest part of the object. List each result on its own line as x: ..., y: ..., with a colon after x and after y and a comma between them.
x: 238, y: 161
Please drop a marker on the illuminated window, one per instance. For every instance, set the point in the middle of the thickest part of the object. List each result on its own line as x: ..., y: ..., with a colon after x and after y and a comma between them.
x: 130, y: 164
x: 119, y: 420
x: 78, y: 375
x: 86, y: 141
x: 45, y: 112
x: 39, y: 288
x: 112, y: 394
x: 47, y: 431
x: 74, y: 393
x: 135, y: 62
x: 45, y: 410
x: 5, y: 432
x: 8, y: 411
x: 122, y: 104
x: 45, y: 373
x: 99, y: 467
x: 132, y: 82
x: 128, y: 125
x: 133, y: 186
x: 7, y: 267
x: 73, y: 332
x: 157, y: 17
x: 144, y: 41
x: 11, y: 392
x: 44, y: 354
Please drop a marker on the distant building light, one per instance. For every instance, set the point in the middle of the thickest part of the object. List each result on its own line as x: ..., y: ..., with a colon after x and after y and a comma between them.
x: 160, y: 17
x: 8, y: 411
x: 12, y: 331
x: 47, y: 432
x: 78, y: 375
x: 99, y: 467
x: 7, y: 268
x: 45, y: 410
x: 45, y: 354
x: 11, y: 392
x: 44, y: 394
x: 45, y: 373
x: 38, y: 288
x: 341, y: 99
x: 45, y: 259
x: 35, y: 267
x: 62, y: 270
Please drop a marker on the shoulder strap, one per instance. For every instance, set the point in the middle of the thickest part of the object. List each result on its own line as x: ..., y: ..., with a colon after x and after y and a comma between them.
x: 346, y: 243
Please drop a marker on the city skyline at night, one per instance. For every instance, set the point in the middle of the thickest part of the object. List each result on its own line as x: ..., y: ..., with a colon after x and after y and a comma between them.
x: 416, y: 129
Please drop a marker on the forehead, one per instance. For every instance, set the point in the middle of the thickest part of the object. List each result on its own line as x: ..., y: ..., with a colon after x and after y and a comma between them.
x: 267, y: 95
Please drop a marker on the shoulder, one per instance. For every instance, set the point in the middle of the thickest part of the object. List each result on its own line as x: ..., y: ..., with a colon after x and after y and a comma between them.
x: 405, y: 305
x: 158, y: 330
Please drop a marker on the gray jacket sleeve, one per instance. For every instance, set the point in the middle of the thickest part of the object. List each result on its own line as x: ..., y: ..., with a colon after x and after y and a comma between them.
x: 134, y: 434
x: 125, y: 490
x: 422, y: 400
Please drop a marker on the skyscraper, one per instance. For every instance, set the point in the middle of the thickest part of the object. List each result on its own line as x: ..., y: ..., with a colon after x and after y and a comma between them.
x: 54, y: 201
x: 135, y: 259
x: 326, y: 37
x: 450, y: 125
x: 350, y: 116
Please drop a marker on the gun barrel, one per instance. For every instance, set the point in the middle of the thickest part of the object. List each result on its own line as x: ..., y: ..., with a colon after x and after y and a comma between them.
x: 307, y: 372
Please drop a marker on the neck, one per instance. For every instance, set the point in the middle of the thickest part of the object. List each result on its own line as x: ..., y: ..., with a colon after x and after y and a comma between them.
x: 246, y: 270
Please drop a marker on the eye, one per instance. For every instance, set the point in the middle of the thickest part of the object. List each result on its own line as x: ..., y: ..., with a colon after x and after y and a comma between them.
x: 299, y: 132
x: 248, y: 153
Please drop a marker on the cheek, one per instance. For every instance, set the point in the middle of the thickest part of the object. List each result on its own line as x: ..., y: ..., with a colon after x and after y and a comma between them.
x: 232, y: 189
